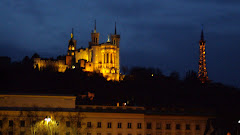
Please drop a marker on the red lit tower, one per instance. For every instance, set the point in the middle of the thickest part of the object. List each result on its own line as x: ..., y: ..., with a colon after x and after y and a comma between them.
x: 202, y: 71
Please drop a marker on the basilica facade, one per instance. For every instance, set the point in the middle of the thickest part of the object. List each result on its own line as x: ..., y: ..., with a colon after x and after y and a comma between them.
x: 100, y: 58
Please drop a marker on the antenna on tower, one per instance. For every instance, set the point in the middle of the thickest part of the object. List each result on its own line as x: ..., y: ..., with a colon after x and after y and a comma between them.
x: 202, y: 36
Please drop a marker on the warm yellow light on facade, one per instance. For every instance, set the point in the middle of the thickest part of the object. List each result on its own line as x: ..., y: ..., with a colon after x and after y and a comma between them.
x: 73, y: 48
x: 72, y: 53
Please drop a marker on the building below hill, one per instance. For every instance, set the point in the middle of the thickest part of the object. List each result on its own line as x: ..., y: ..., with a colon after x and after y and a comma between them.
x: 41, y: 114
x: 100, y: 58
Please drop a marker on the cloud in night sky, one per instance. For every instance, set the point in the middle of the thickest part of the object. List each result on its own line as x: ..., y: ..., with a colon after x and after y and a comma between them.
x: 161, y: 34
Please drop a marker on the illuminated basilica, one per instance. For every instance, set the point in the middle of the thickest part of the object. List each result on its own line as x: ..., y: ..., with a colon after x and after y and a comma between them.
x: 100, y: 58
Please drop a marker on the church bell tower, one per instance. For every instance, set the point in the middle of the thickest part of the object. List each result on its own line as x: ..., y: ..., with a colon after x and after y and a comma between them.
x: 95, y: 36
x: 70, y: 58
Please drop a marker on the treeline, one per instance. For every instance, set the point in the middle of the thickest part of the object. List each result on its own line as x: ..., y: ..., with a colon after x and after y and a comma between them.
x: 140, y: 86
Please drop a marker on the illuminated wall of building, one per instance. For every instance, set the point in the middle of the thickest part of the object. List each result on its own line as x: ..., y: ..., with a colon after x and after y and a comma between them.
x: 100, y: 58
x: 58, y: 65
x: 106, y: 122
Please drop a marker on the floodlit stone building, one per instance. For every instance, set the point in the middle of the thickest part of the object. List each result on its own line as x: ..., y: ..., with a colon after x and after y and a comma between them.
x: 100, y: 58
x: 39, y: 114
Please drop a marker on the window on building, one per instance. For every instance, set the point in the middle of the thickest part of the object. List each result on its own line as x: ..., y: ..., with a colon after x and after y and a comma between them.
x: 10, y: 123
x: 79, y: 124
x: 78, y: 133
x: 197, y: 127
x: 89, y: 124
x: 149, y: 125
x: 10, y: 133
x: 104, y: 58
x: 158, y: 126
x: 109, y: 133
x: 88, y: 133
x: 72, y: 53
x: 148, y: 134
x: 119, y: 125
x: 67, y: 133
x: 187, y: 126
x: 139, y: 125
x: 67, y: 123
x: 1, y: 123
x: 111, y: 58
x: 109, y: 125
x: 99, y: 125
x: 56, y: 133
x: 129, y: 134
x: 178, y: 126
x: 129, y: 125
x: 22, y: 123
x: 107, y: 58
x: 119, y: 133
x: 98, y: 133
x: 22, y: 133
x: 139, y: 134
x: 168, y: 126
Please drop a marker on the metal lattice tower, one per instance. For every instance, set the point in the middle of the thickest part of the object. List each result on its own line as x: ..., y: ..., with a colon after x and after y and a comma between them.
x: 202, y: 70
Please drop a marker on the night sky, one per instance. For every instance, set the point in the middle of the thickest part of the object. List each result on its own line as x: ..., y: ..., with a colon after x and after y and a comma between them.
x: 161, y: 34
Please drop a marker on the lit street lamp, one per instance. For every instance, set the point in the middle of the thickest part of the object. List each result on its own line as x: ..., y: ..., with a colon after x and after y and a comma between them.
x: 47, y: 119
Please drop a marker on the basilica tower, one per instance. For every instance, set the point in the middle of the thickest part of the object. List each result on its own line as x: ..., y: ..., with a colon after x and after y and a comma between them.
x: 95, y: 36
x: 70, y: 58
x: 115, y: 39
x: 202, y: 70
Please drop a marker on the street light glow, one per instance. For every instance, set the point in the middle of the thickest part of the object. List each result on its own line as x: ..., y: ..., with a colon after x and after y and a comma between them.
x: 47, y: 119
x: 238, y: 121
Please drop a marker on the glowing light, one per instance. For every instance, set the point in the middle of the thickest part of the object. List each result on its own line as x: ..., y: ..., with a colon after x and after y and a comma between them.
x: 108, y: 39
x: 152, y: 74
x: 238, y: 121
x: 47, y: 119
x: 73, y: 67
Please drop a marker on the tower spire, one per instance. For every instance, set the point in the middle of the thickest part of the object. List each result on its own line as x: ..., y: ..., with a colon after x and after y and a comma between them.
x: 72, y: 34
x: 202, y: 71
x: 115, y: 29
x: 95, y: 27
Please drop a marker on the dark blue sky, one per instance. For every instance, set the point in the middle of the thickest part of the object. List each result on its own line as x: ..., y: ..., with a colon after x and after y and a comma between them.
x: 161, y: 34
